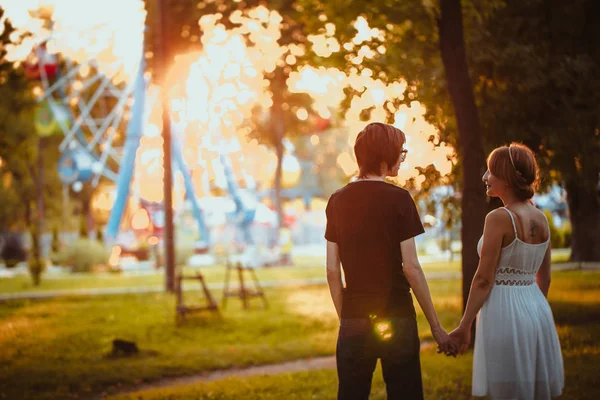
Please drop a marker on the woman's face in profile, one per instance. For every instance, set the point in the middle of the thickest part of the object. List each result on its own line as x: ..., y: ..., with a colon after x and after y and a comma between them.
x: 495, y: 186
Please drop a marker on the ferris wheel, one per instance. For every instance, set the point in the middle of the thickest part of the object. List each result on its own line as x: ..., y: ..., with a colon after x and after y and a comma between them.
x: 101, y: 118
x: 88, y: 108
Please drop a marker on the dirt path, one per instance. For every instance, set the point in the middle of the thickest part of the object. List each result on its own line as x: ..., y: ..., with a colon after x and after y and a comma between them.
x: 309, y: 364
x: 268, y: 369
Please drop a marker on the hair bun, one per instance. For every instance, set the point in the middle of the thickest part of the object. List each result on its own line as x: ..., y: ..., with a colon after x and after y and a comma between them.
x: 516, y: 165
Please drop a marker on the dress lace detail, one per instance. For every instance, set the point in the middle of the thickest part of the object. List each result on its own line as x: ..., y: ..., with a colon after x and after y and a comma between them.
x: 508, y: 276
x: 513, y: 282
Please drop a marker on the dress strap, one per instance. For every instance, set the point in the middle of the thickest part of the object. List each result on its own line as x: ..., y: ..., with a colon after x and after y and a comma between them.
x: 513, y: 221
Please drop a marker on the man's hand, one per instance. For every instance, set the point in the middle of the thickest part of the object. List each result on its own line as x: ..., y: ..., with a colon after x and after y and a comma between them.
x: 462, y: 337
x: 445, y: 343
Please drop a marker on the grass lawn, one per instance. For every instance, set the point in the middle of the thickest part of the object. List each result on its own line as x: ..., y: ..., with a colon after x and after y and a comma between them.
x: 575, y: 299
x: 107, y: 280
x: 59, y: 348
x: 305, y: 268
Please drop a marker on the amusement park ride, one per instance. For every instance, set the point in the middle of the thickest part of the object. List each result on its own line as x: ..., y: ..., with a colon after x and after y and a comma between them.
x: 83, y: 104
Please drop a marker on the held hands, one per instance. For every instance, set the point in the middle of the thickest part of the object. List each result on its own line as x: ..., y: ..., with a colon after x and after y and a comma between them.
x: 445, y: 343
x: 462, y: 337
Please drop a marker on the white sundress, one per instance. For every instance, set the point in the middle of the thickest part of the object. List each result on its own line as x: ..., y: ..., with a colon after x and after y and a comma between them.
x: 517, y: 352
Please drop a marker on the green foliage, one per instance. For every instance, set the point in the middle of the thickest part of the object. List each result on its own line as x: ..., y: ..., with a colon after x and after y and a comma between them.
x: 534, y: 68
x: 559, y: 237
x: 21, y: 160
x: 83, y: 255
x: 553, y: 104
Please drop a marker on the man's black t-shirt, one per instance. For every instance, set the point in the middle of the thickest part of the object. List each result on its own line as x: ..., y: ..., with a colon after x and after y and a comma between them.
x: 368, y: 220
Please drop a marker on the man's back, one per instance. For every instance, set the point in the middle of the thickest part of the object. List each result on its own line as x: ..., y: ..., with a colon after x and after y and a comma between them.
x: 368, y: 219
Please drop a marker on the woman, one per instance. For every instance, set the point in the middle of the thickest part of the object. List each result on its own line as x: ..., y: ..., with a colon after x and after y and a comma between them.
x: 371, y: 227
x: 517, y: 352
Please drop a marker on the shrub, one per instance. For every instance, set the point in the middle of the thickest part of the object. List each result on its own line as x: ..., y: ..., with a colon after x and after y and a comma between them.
x: 566, y: 233
x: 182, y: 255
x: 83, y: 255
x: 559, y: 237
x: 13, y: 249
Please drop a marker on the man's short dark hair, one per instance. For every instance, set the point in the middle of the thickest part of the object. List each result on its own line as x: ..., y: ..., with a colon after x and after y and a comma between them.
x: 375, y: 144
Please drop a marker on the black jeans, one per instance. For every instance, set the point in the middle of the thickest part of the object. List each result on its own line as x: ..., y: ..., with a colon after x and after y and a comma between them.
x: 395, y: 341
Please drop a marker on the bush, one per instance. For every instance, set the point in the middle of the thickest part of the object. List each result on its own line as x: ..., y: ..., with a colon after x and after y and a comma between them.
x: 12, y: 249
x: 566, y: 233
x: 83, y: 255
x: 559, y: 237
x: 182, y: 255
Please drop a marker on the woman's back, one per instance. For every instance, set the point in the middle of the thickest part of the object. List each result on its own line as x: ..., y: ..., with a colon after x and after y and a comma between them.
x: 525, y: 241
x: 517, y: 352
x: 525, y: 254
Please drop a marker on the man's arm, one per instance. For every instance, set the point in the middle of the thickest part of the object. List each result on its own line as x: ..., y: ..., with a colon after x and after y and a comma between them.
x: 334, y: 276
x: 416, y: 278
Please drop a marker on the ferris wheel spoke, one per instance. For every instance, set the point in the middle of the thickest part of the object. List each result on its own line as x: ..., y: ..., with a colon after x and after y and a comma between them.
x: 115, y: 155
x: 80, y: 119
x: 114, y: 90
x: 116, y: 114
x: 107, y: 150
x: 77, y: 92
x: 49, y: 90
x: 106, y: 173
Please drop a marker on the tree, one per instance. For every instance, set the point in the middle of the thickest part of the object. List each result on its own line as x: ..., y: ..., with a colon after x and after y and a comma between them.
x: 454, y: 57
x: 183, y: 36
x: 21, y: 161
x: 534, y: 68
x: 538, y: 70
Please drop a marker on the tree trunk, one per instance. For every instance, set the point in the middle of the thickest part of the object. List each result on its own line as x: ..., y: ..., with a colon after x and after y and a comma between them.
x: 277, y: 134
x: 277, y: 184
x: 34, y: 262
x: 166, y: 54
x: 584, y: 210
x: 471, y: 154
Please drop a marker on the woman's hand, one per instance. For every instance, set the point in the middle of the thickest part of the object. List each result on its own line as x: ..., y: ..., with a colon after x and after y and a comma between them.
x: 462, y: 337
x: 445, y: 343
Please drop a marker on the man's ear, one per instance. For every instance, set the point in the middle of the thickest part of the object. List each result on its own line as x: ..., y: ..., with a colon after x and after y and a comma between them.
x: 383, y: 168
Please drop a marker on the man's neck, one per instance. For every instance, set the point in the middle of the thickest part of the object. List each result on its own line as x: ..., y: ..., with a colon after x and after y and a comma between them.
x: 373, y: 178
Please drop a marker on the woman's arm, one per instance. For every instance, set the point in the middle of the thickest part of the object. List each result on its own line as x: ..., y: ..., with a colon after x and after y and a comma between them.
x: 334, y: 276
x: 543, y: 277
x: 483, y: 281
x: 416, y: 278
